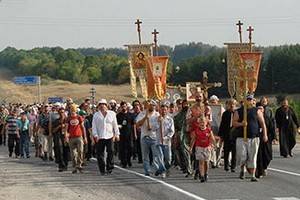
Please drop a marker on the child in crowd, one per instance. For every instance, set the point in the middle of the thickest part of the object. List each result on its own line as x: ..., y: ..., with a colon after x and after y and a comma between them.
x: 202, y: 137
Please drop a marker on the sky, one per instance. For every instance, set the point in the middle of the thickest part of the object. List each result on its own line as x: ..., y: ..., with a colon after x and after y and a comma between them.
x: 26, y: 24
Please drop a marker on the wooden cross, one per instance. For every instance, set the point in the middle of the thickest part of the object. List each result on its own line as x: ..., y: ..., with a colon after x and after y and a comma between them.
x: 239, y: 24
x: 250, y: 30
x: 205, y: 86
x: 138, y: 23
x: 155, y: 33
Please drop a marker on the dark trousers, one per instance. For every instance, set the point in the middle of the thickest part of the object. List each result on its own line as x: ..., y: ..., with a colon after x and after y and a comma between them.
x: 101, y: 145
x: 2, y: 136
x: 137, y: 151
x: 229, y: 146
x: 125, y: 150
x: 24, y: 143
x: 89, y: 148
x: 61, y: 151
x: 13, y: 143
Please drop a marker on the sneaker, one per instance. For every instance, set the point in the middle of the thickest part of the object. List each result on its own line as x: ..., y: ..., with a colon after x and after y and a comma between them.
x: 253, y: 179
x: 206, y: 177
x: 74, y: 171
x: 147, y: 174
x: 188, y: 175
x: 163, y: 175
x: 51, y: 159
x: 60, y: 170
x: 233, y: 170
x: 157, y: 173
x: 80, y: 169
x: 202, y: 179
x: 28, y: 156
x: 109, y: 171
x: 242, y: 175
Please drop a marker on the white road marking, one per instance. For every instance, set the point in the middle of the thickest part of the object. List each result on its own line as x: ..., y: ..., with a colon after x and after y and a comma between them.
x: 283, y: 171
x: 163, y: 183
x: 285, y: 198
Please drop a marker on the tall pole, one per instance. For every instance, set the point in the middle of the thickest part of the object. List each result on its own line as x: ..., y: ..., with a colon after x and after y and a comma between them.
x: 239, y: 24
x: 250, y: 30
x: 155, y: 33
x: 138, y: 23
x: 39, y: 90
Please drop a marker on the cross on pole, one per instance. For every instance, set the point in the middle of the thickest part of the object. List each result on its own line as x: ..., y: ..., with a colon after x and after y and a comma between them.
x: 155, y: 33
x: 250, y: 30
x: 239, y: 24
x: 138, y: 23
x: 205, y: 86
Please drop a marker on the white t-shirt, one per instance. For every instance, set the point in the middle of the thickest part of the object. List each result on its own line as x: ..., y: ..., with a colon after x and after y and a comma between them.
x: 152, y: 121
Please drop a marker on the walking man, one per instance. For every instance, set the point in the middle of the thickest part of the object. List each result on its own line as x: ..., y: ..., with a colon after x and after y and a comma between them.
x: 105, y: 131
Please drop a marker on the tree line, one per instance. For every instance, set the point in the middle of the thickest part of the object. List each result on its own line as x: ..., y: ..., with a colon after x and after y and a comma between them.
x: 280, y: 68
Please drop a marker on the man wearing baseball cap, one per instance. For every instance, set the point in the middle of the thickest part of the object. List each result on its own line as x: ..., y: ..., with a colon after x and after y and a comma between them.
x: 105, y: 131
x: 246, y: 150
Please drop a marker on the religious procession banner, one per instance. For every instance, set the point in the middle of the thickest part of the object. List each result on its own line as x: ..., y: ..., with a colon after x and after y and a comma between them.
x: 233, y: 63
x: 174, y: 93
x: 250, y: 65
x: 137, y: 56
x: 157, y: 76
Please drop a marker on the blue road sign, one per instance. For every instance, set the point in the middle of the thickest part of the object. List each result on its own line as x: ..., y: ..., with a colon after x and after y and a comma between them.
x: 26, y: 80
x: 55, y: 100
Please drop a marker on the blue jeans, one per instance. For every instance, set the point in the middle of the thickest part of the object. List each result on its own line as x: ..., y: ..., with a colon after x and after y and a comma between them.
x: 148, y: 144
x: 24, y: 143
x: 164, y: 157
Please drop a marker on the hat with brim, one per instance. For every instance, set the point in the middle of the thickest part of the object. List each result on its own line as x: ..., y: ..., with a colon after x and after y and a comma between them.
x: 153, y: 102
x: 102, y: 101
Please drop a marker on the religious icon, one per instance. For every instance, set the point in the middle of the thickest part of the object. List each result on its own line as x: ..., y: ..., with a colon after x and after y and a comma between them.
x: 157, y: 69
x: 173, y: 94
x: 193, y: 89
x: 139, y: 60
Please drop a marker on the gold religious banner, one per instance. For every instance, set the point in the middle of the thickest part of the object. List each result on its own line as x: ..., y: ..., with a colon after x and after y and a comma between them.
x: 233, y: 63
x: 250, y: 64
x: 157, y: 76
x: 137, y: 56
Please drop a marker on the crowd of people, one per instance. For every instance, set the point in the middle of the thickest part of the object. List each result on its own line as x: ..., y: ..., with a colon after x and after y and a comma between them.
x: 158, y: 134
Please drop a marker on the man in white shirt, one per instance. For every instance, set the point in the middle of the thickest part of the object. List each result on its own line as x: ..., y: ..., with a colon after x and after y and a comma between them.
x: 147, y: 120
x: 164, y: 132
x: 105, y: 131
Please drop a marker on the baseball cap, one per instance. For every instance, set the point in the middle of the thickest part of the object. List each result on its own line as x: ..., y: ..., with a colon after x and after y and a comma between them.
x: 250, y: 97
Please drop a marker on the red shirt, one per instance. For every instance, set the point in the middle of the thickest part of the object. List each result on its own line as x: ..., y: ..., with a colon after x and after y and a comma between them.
x: 202, y: 136
x: 74, y: 128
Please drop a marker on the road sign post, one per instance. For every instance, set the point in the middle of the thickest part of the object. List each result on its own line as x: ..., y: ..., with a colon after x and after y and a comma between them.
x: 30, y: 80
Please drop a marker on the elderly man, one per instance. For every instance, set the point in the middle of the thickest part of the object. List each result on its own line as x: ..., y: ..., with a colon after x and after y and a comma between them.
x: 105, y: 131
x: 246, y: 149
x: 147, y: 120
x: 216, y: 115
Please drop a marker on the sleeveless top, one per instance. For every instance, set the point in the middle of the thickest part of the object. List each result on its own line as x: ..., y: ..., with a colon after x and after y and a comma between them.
x: 252, y: 120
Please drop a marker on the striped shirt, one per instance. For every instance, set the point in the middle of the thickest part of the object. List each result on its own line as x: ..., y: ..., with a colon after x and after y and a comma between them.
x: 12, y: 125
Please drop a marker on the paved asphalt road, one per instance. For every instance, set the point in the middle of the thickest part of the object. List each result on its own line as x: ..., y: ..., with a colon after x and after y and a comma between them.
x: 33, y: 179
